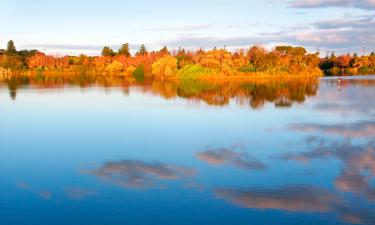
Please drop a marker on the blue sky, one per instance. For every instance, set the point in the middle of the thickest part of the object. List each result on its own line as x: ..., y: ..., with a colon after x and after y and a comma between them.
x: 71, y: 27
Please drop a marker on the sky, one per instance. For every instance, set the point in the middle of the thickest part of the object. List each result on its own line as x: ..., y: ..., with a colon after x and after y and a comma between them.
x: 73, y: 27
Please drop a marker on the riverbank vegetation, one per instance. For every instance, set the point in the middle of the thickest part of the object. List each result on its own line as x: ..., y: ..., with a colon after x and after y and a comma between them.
x: 348, y: 64
x: 183, y: 64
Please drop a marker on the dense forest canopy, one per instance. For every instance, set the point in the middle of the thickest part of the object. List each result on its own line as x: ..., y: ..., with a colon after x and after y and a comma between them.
x: 184, y: 64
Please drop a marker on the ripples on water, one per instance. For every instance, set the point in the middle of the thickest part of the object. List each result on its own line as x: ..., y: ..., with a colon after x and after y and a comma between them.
x: 108, y: 150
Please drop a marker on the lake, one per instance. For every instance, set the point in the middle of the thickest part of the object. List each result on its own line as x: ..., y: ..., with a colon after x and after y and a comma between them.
x: 104, y: 151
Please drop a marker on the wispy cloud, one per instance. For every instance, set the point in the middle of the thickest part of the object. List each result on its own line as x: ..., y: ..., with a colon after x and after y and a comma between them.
x: 341, y: 35
x: 361, y: 4
x: 212, y: 41
x: 345, y: 23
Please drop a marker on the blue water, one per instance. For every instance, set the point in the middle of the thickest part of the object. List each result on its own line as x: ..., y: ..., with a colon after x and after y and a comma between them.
x: 116, y: 155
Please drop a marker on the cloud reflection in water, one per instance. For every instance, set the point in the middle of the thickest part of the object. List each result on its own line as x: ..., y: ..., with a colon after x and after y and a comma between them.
x: 232, y: 157
x: 139, y: 174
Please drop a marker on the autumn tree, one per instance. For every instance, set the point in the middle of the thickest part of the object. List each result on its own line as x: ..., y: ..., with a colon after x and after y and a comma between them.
x: 164, y: 50
x: 343, y: 61
x: 11, y: 48
x: 184, y: 58
x: 107, y: 51
x: 257, y: 57
x: 124, y: 50
x: 218, y: 60
x: 11, y: 59
x: 142, y: 50
x: 165, y: 67
x: 114, y: 67
x: 11, y: 62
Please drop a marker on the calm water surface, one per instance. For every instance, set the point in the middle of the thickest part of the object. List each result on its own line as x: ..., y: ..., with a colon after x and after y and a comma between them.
x: 116, y: 152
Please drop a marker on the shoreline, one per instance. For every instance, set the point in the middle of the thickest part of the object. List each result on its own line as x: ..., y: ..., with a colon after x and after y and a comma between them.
x: 256, y: 76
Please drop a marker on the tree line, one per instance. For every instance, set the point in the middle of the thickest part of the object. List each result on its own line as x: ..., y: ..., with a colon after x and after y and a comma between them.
x: 185, y: 64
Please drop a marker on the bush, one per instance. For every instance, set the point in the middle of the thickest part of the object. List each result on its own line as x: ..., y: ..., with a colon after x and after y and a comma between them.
x: 248, y: 68
x: 363, y: 70
x: 335, y: 71
x: 193, y: 72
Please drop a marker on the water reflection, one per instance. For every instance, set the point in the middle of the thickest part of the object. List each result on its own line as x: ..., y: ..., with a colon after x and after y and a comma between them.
x: 354, y: 101
x: 301, y: 199
x: 330, y: 135
x: 361, y: 129
x: 232, y: 157
x: 358, y: 164
x: 139, y: 174
x: 78, y: 193
x: 290, y: 198
x: 356, y: 176
x: 41, y: 193
x: 255, y: 93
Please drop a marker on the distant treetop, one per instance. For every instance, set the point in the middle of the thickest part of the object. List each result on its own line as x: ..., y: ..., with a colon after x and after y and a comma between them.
x: 11, y: 49
x: 107, y: 51
x: 142, y: 50
x: 124, y: 50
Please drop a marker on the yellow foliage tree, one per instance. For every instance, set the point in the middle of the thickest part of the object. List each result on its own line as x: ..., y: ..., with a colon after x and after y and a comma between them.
x: 114, y: 67
x: 217, y: 59
x: 165, y: 67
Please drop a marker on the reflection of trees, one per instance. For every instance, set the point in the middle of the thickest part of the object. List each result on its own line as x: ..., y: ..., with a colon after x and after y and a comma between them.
x: 13, y: 83
x: 282, y: 92
x: 256, y: 93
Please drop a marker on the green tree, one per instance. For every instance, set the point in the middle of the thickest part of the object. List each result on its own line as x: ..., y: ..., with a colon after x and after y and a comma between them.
x: 142, y: 50
x: 11, y: 49
x: 107, y: 51
x: 124, y: 50
x: 139, y: 73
